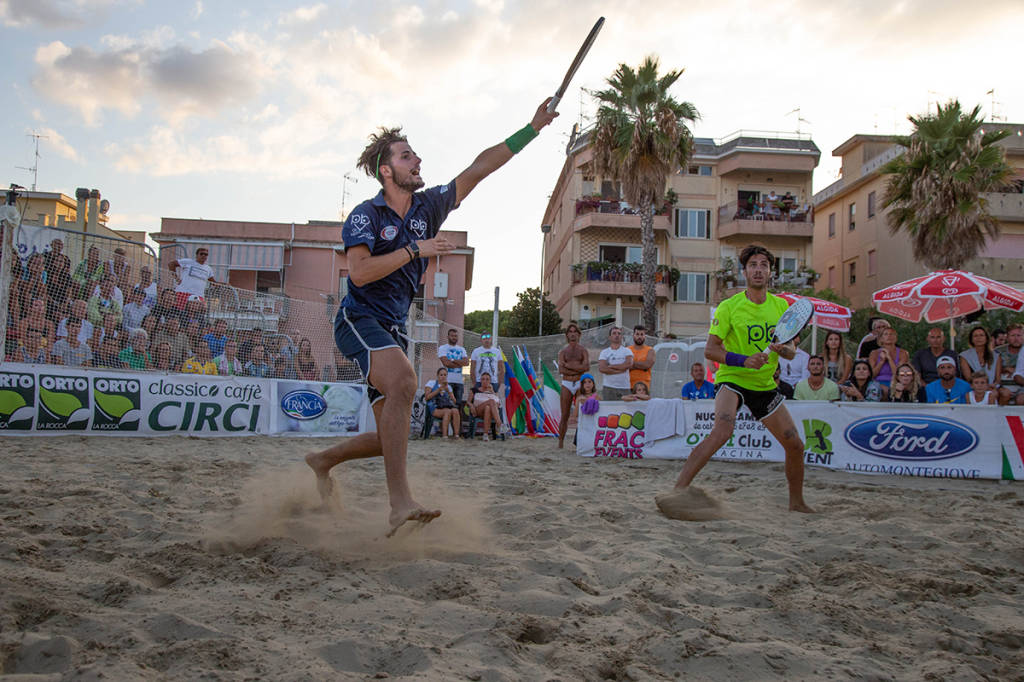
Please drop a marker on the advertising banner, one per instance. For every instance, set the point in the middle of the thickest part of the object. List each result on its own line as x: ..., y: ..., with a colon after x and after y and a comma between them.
x: 633, y: 430
x: 320, y: 409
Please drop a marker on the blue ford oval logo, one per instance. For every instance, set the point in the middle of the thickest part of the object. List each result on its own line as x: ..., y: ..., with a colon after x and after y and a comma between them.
x: 303, y: 405
x: 911, y: 437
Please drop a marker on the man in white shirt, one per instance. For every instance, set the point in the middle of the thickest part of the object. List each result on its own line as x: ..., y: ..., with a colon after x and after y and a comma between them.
x: 69, y: 351
x: 192, y: 277
x: 135, y: 309
x: 794, y: 371
x: 454, y: 357
x: 148, y: 286
x: 614, y: 363
x: 79, y: 308
x: 487, y: 359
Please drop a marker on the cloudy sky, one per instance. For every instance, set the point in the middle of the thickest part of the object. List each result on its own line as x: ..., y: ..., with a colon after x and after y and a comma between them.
x: 257, y: 110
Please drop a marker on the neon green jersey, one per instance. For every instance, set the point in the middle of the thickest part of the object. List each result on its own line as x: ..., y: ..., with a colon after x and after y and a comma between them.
x: 746, y: 327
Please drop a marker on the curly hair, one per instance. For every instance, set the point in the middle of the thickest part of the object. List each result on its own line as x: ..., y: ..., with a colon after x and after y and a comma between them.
x: 378, y: 152
x: 753, y: 250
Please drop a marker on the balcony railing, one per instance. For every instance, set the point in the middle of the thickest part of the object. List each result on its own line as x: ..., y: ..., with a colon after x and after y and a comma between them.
x: 596, y: 205
x: 604, y: 271
x: 779, y: 213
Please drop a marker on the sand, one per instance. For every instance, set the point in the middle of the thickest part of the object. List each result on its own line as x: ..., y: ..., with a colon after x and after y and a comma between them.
x: 182, y: 558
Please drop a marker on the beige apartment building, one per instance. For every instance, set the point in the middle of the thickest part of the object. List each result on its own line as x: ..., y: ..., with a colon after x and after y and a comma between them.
x: 853, y: 250
x: 750, y: 188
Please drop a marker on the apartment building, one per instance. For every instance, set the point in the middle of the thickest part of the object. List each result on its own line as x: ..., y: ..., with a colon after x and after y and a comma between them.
x: 854, y: 251
x: 749, y: 188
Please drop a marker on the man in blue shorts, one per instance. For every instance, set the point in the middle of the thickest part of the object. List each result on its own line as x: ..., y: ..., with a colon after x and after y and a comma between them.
x: 388, y: 240
x: 739, y: 341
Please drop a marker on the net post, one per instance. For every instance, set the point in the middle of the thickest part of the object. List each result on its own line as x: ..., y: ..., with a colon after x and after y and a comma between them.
x: 8, y: 220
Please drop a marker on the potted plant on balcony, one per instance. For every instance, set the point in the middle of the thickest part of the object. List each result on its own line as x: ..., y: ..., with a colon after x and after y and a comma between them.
x: 726, y: 276
x: 810, y: 274
x: 594, y: 269
x: 631, y: 271
x: 578, y: 272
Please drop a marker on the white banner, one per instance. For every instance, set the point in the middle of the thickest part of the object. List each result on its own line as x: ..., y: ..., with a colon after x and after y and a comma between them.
x: 32, y: 239
x: 937, y: 441
x: 320, y: 409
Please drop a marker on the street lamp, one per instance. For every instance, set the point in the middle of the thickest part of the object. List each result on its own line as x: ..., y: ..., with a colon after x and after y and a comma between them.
x: 544, y: 229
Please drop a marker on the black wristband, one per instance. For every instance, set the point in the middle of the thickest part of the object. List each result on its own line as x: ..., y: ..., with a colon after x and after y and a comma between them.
x: 414, y: 249
x: 412, y: 256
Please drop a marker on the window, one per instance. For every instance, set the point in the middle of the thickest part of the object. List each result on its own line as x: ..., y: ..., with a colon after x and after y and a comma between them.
x: 831, y: 277
x: 786, y: 260
x: 693, y: 223
x: 871, y: 204
x: 872, y: 262
x: 853, y: 217
x: 342, y: 285
x: 699, y: 170
x: 610, y: 253
x: 831, y: 225
x: 692, y: 287
x: 705, y: 170
x: 853, y: 272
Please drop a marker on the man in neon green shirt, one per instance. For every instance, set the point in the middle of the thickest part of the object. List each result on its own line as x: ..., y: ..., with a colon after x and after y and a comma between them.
x: 739, y: 341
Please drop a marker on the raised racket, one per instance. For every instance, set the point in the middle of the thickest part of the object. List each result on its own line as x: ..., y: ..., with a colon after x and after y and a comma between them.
x: 793, y: 321
x: 584, y: 49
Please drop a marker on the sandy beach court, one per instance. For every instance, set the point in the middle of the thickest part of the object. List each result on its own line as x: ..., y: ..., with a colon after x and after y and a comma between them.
x: 186, y: 558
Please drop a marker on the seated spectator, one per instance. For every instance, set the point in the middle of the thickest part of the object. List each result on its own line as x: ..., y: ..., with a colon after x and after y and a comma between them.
x: 193, y: 334
x: 217, y: 338
x: 33, y: 282
x: 149, y: 325
x: 869, y: 343
x: 107, y: 355
x: 699, y: 388
x: 486, y: 404
x: 103, y: 301
x: 136, y: 355
x: 71, y: 352
x: 981, y: 392
x: 32, y: 350
x: 838, y: 363
x: 440, y: 396
x: 887, y: 357
x: 194, y: 311
x: 148, y: 287
x: 109, y: 330
x: 135, y: 309
x: 116, y: 293
x: 640, y: 392
x: 948, y: 388
x: 254, y: 337
x: 78, y: 312
x: 979, y: 357
x: 283, y: 369
x: 258, y: 365
x: 162, y: 357
x: 58, y: 278
x: 925, y: 360
x: 171, y: 334
x: 1009, y: 390
x: 785, y: 389
x: 119, y: 268
x: 794, y: 371
x: 305, y: 363
x: 860, y: 387
x: 907, y: 386
x: 227, y: 362
x: 998, y: 337
x: 36, y: 321
x: 201, y: 362
x: 87, y: 274
x: 816, y: 386
x: 165, y: 307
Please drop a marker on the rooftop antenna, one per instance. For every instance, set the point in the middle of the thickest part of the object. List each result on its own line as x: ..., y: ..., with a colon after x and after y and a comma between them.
x: 992, y: 111
x: 799, y: 119
x: 35, y: 166
x: 344, y: 190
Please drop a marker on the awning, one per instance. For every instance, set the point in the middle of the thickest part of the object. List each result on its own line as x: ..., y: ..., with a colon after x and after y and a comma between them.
x: 238, y: 255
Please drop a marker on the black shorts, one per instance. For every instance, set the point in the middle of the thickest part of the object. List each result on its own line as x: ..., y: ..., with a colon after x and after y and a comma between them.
x: 760, y: 403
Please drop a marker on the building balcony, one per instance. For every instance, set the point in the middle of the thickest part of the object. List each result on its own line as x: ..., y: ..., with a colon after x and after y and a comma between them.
x: 619, y: 279
x: 1005, y: 206
x: 760, y: 227
x: 600, y: 213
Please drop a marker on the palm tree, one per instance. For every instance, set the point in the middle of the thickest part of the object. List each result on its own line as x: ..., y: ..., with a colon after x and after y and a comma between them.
x: 640, y: 138
x: 936, y: 185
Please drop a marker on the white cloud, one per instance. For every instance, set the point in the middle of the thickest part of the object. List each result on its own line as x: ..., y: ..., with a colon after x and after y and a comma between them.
x: 55, y: 14
x: 197, y: 10
x: 88, y: 81
x: 302, y: 15
x: 57, y: 143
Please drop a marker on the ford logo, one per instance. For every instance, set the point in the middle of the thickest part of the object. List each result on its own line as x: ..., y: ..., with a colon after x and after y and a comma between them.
x: 911, y: 437
x: 303, y: 405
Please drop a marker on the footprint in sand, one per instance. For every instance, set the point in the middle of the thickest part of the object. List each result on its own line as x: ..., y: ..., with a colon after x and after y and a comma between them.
x: 690, y: 504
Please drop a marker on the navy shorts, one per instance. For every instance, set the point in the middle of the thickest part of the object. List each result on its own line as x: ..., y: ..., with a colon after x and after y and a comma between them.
x: 760, y: 403
x: 358, y: 335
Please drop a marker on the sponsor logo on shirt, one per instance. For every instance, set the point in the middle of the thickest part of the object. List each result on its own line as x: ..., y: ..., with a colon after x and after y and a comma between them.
x: 389, y: 233
x: 361, y: 225
x: 419, y: 226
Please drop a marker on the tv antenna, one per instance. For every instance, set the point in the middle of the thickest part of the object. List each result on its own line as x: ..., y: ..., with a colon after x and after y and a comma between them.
x: 344, y: 190
x: 799, y: 119
x: 992, y: 112
x: 35, y: 166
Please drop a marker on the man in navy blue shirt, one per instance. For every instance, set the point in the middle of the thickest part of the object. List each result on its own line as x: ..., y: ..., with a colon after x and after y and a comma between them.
x: 388, y: 240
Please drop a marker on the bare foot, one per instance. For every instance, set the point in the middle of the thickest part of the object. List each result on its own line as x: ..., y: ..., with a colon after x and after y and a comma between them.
x: 560, y: 443
x: 324, y: 482
x: 690, y: 504
x: 801, y: 507
x: 399, y: 517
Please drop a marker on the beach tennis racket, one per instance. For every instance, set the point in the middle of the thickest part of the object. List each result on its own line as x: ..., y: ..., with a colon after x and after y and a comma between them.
x: 584, y: 49
x: 793, y: 321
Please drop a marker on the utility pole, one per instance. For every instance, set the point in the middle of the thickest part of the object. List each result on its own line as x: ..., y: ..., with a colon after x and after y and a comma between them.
x: 344, y: 190
x: 35, y: 165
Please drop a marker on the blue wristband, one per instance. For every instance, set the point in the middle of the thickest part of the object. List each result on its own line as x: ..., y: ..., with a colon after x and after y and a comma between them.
x: 735, y: 359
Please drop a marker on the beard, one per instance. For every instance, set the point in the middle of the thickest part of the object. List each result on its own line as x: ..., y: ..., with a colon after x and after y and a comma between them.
x: 410, y: 182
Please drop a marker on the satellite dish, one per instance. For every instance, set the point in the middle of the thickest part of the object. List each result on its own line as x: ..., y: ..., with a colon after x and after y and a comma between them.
x: 573, y: 137
x: 104, y: 206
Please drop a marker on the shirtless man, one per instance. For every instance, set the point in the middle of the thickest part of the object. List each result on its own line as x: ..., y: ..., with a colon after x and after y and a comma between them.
x: 573, y: 361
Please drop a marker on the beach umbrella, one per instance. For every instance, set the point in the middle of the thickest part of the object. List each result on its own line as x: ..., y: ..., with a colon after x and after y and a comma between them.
x: 827, y: 315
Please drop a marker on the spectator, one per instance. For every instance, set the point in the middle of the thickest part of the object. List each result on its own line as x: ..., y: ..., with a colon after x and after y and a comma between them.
x: 171, y: 334
x: 88, y: 274
x: 305, y: 363
x: 998, y: 337
x: 283, y: 369
x: 948, y: 388
x: 838, y: 363
x: 258, y: 365
x: 109, y: 330
x: 925, y: 360
x: 217, y: 338
x: 587, y: 390
x: 643, y: 358
x: 58, y: 278
x: 32, y: 350
x: 119, y: 268
x: 148, y: 287
x: 104, y: 301
x: 870, y: 341
x: 136, y: 355
x: 887, y: 357
x: 454, y: 357
x: 981, y: 392
x: 192, y: 277
x: 201, y: 362
x: 78, y: 312
x: 165, y: 307
x: 192, y: 333
x: 980, y: 358
x: 573, y: 361
x: 640, y: 392
x: 255, y: 338
x: 816, y: 386
x: 195, y: 311
x: 227, y: 362
x: 441, y: 397
x: 33, y: 283
x: 486, y: 359
x: 162, y: 357
x: 614, y: 363
x: 1009, y: 353
x: 107, y: 355
x: 486, y: 404
x: 149, y: 324
x: 860, y: 387
x: 116, y: 292
x: 699, y: 388
x: 907, y: 386
x: 35, y: 321
x: 71, y: 352
x: 135, y: 309
x: 794, y: 371
x: 785, y: 389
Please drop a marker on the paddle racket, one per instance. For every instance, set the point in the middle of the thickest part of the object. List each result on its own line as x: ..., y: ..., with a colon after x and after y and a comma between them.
x: 793, y: 321
x: 575, y: 65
